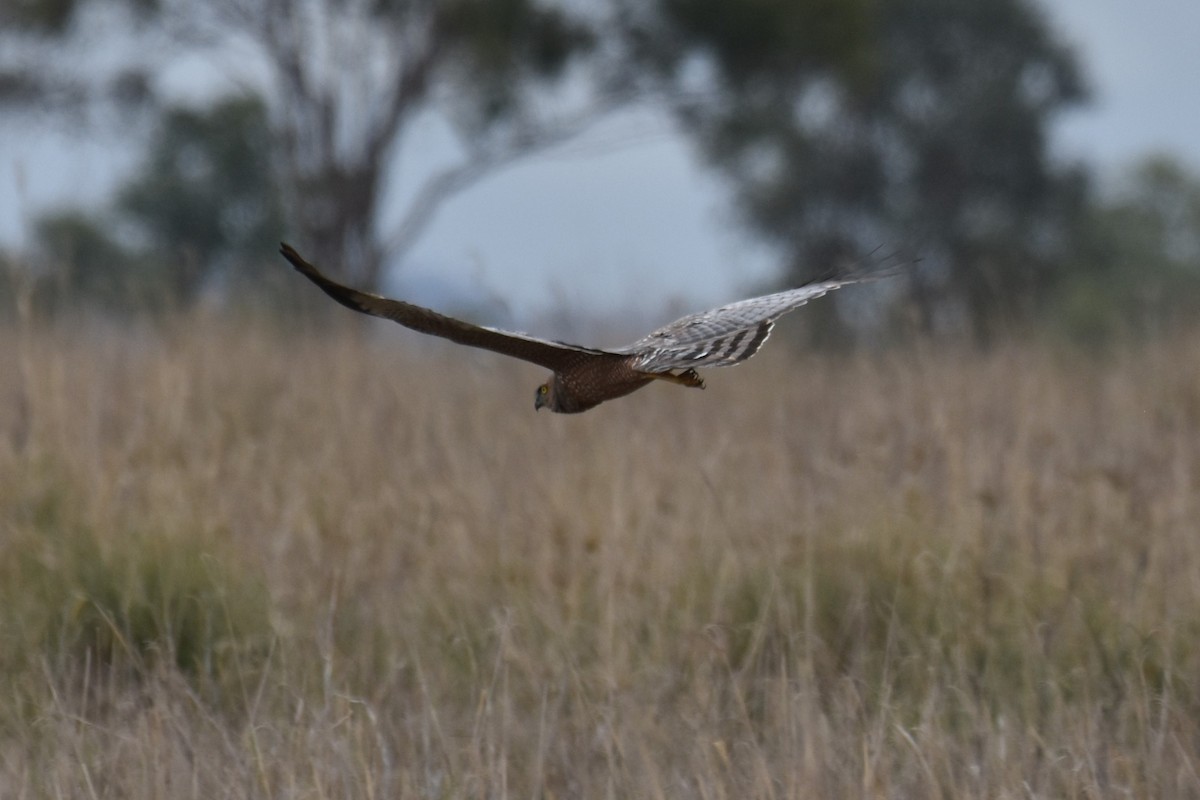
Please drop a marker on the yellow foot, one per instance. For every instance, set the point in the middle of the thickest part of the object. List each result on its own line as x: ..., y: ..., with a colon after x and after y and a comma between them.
x: 689, y: 377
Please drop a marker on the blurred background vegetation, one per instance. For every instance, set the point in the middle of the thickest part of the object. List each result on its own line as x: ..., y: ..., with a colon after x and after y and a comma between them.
x: 837, y: 126
x: 247, y: 560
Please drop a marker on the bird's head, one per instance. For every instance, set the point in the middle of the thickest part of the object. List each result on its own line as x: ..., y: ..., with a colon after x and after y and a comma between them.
x: 546, y: 397
x: 557, y: 395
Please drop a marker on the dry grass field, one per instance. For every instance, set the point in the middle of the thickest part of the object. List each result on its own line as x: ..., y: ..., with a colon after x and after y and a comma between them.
x: 236, y: 563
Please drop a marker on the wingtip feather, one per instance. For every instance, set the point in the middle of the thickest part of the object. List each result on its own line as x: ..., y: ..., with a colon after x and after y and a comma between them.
x: 296, y: 260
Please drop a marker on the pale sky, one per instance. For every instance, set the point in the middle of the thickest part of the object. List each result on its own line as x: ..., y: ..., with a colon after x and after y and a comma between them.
x: 628, y: 205
x: 1143, y: 61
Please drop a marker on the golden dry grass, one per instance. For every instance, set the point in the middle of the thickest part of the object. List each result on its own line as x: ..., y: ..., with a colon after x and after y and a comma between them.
x: 237, y: 563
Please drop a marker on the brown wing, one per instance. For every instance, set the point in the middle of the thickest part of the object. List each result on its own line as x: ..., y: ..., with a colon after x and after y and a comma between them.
x: 549, y: 354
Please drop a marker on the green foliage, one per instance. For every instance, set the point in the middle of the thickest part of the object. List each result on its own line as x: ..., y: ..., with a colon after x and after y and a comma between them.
x: 1138, y: 267
x: 43, y: 15
x: 204, y: 208
x: 506, y: 36
x: 207, y: 198
x: 769, y: 40
x: 500, y: 47
x: 53, y: 16
x: 127, y: 600
x: 884, y: 607
x: 931, y: 132
x: 9, y: 285
x: 337, y: 120
x: 84, y: 263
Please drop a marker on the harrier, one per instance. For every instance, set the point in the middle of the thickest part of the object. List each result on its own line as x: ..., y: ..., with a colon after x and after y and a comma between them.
x: 584, y: 377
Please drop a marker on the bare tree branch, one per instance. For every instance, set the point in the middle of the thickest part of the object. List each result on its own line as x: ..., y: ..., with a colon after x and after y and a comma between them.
x: 343, y: 78
x: 445, y: 184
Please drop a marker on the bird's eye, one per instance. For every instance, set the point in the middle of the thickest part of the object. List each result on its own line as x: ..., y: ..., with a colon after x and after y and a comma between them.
x: 543, y: 389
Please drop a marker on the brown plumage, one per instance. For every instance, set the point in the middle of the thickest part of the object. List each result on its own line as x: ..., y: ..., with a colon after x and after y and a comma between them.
x: 584, y: 377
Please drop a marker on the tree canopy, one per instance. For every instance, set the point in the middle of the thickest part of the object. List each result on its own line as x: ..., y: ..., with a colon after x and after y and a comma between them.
x: 342, y: 82
x: 204, y: 206
x: 206, y: 194
x: 1137, y: 268
x: 840, y: 126
x: 926, y: 123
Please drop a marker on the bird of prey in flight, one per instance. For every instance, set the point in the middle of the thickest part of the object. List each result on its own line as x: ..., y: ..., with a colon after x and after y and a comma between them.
x: 584, y: 377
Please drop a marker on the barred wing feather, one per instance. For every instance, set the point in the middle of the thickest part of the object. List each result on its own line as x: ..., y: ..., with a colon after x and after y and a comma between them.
x: 720, y: 337
x: 723, y: 336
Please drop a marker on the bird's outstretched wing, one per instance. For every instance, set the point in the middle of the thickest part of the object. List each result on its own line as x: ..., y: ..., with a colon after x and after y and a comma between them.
x: 730, y: 334
x: 549, y: 354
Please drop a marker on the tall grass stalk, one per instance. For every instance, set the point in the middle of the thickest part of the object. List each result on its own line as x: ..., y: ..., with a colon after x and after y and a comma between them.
x: 235, y: 563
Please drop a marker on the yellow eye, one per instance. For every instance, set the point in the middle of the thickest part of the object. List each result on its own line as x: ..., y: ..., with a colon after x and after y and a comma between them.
x: 543, y: 389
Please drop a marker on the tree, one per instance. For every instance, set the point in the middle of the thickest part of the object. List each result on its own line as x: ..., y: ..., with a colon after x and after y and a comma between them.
x: 207, y: 196
x: 84, y: 261
x: 933, y: 132
x: 203, y: 206
x: 343, y: 81
x: 43, y: 68
x: 1137, y: 269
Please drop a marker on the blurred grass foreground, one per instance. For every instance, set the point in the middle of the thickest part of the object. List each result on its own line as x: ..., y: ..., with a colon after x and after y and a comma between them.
x: 239, y: 564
